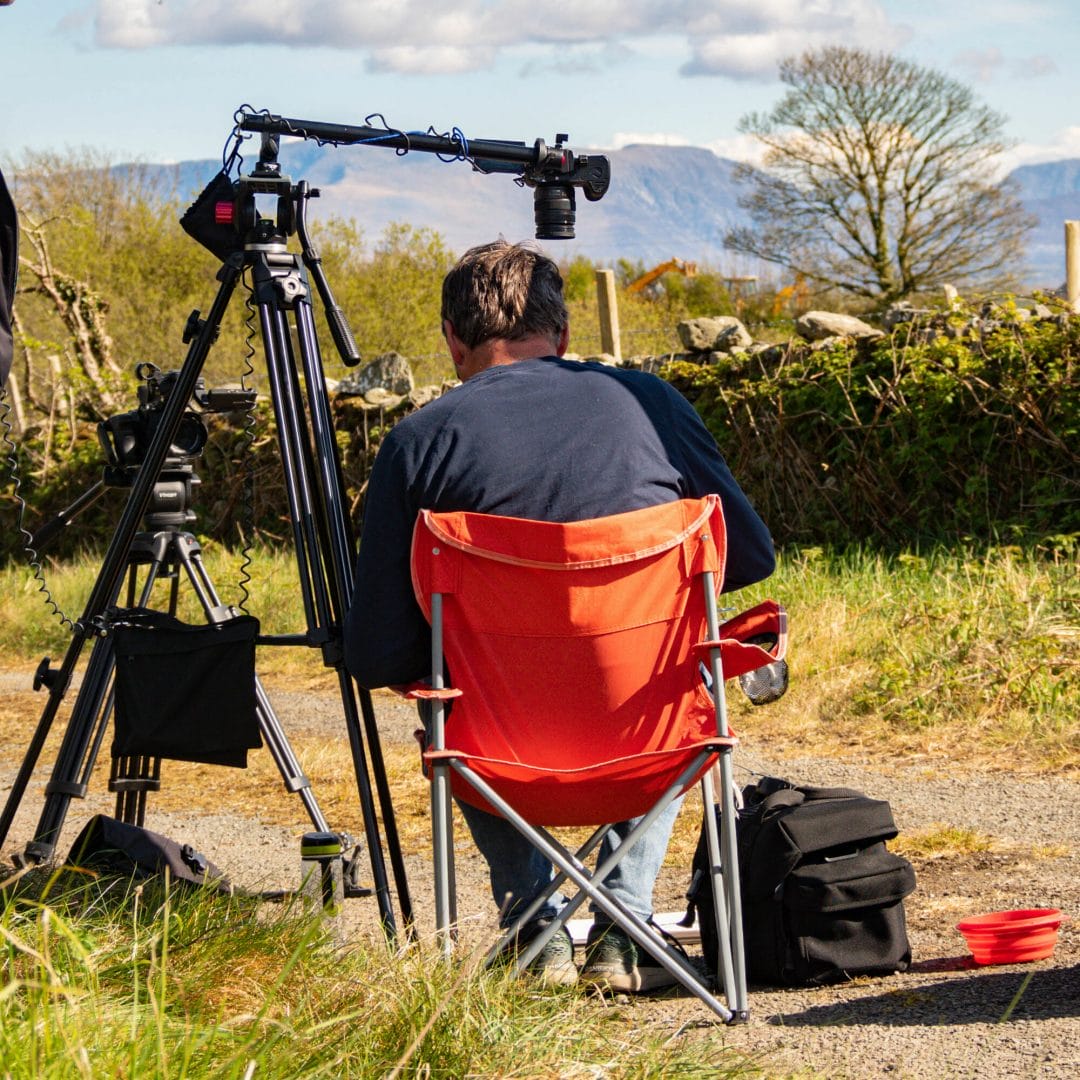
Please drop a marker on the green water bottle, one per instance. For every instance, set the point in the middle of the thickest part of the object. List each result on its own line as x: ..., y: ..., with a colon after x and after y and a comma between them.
x: 321, y: 878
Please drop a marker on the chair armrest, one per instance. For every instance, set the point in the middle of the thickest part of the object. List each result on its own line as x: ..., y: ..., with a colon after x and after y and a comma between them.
x: 422, y: 692
x: 736, y: 657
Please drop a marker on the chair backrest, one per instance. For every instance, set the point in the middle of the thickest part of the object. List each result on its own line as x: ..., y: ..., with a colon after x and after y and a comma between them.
x: 574, y: 647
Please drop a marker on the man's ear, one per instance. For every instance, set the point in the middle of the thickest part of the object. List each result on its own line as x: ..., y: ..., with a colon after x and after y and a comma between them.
x: 564, y: 341
x: 453, y: 343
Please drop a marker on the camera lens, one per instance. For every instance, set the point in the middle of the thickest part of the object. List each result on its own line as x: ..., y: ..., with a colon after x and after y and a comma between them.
x: 554, y: 209
x: 190, y: 436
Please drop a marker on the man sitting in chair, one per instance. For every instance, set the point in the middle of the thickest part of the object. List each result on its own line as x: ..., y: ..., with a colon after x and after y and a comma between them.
x: 529, y: 434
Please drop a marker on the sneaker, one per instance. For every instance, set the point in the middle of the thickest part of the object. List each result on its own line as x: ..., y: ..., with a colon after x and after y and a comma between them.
x: 555, y: 963
x: 614, y: 962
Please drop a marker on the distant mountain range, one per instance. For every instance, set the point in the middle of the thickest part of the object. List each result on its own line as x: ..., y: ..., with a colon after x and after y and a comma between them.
x: 1052, y: 193
x: 664, y: 202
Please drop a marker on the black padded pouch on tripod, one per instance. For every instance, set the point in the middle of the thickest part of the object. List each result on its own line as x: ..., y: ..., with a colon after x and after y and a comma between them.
x: 185, y: 692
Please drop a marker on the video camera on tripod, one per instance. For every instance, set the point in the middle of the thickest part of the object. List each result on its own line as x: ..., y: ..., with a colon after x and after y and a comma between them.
x: 126, y: 437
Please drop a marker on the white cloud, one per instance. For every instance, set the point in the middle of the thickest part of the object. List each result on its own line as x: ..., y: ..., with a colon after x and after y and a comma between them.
x: 736, y: 148
x: 1064, y: 144
x: 739, y: 148
x: 429, y: 60
x: 985, y: 65
x: 735, y: 38
x: 650, y: 138
x: 749, y: 47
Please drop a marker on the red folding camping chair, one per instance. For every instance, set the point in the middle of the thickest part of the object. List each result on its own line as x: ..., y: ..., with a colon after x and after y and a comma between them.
x: 588, y: 667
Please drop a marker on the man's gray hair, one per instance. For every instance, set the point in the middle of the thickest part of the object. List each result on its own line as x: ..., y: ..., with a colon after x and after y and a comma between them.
x: 504, y: 290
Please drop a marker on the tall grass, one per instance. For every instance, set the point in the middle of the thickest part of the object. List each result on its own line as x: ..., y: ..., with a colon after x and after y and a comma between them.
x: 966, y: 653
x: 138, y: 981
x: 951, y: 651
x: 969, y: 654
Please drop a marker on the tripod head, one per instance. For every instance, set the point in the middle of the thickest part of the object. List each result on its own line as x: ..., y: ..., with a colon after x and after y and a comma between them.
x: 225, y: 218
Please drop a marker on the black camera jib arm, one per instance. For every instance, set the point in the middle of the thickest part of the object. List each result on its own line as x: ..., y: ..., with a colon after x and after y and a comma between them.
x: 553, y: 172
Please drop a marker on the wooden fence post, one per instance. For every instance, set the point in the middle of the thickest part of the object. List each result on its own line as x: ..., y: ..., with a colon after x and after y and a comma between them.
x: 608, y: 309
x: 1072, y: 265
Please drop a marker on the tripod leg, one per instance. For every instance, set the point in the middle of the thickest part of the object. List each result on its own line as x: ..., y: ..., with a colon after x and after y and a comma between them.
x: 86, y: 729
x: 296, y: 782
x: 71, y: 771
x: 393, y: 843
x: 319, y: 558
x: 189, y: 557
x: 132, y: 778
x: 340, y: 555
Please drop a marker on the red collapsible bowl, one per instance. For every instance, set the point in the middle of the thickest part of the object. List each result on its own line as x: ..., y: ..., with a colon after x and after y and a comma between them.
x: 1012, y: 937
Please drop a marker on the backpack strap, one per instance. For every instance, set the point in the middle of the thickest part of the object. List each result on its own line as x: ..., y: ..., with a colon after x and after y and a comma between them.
x: 812, y: 793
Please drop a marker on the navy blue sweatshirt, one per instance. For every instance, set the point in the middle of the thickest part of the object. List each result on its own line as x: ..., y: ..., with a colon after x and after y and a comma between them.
x: 545, y: 439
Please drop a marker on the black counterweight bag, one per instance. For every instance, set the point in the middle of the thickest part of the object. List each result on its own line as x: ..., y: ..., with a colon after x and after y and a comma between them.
x: 185, y: 692
x: 115, y: 848
x: 822, y: 897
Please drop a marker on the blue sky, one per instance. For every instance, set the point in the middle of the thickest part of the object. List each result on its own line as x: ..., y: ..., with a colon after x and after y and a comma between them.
x: 158, y: 80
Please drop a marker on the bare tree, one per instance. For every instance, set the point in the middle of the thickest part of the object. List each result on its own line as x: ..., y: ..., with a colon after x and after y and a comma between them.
x: 879, y: 179
x: 81, y: 311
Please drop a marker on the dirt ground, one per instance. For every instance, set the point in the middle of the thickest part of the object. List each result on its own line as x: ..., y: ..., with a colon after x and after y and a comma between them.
x: 945, y: 1017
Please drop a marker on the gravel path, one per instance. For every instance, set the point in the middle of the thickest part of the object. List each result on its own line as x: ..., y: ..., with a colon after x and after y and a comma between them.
x: 943, y: 1018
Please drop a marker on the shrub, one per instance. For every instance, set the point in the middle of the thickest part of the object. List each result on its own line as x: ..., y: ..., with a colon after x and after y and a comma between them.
x: 901, y: 440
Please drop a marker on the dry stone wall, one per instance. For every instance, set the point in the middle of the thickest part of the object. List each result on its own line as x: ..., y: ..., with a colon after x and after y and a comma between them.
x: 386, y: 386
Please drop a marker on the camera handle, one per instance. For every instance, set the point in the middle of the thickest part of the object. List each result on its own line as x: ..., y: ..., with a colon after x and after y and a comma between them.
x: 63, y: 518
x: 325, y: 551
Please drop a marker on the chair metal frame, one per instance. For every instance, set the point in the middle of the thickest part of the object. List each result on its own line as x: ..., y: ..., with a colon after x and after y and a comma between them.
x: 570, y: 865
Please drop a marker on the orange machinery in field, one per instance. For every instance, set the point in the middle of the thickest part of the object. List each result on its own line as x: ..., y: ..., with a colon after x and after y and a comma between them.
x: 657, y: 272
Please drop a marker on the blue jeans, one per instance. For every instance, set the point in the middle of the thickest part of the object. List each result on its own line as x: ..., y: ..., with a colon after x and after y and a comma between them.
x: 519, y: 873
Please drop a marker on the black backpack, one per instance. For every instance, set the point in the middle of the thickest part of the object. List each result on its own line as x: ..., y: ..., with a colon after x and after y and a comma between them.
x: 822, y: 898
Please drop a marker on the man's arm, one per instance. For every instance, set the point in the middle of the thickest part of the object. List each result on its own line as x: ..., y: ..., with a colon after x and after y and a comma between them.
x: 9, y: 270
x: 751, y: 556
x: 387, y: 638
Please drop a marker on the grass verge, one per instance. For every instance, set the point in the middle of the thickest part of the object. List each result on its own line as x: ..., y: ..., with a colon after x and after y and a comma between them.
x: 970, y: 655
x: 967, y: 656
x: 117, y: 979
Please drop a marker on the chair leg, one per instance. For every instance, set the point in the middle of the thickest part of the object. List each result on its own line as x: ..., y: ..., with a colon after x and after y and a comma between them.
x: 443, y: 857
x: 730, y: 929
x: 567, y: 857
x: 729, y: 856
x: 633, y: 926
x: 724, y: 966
x: 529, y: 913
x: 442, y: 821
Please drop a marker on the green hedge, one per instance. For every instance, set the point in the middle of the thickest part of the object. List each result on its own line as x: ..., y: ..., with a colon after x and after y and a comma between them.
x: 974, y: 436
x: 896, y: 442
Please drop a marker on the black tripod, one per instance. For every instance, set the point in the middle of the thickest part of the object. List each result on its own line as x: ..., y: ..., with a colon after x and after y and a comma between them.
x: 324, y: 543
x: 226, y: 220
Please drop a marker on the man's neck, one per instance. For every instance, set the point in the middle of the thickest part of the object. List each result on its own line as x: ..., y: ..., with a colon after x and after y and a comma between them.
x: 498, y: 352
